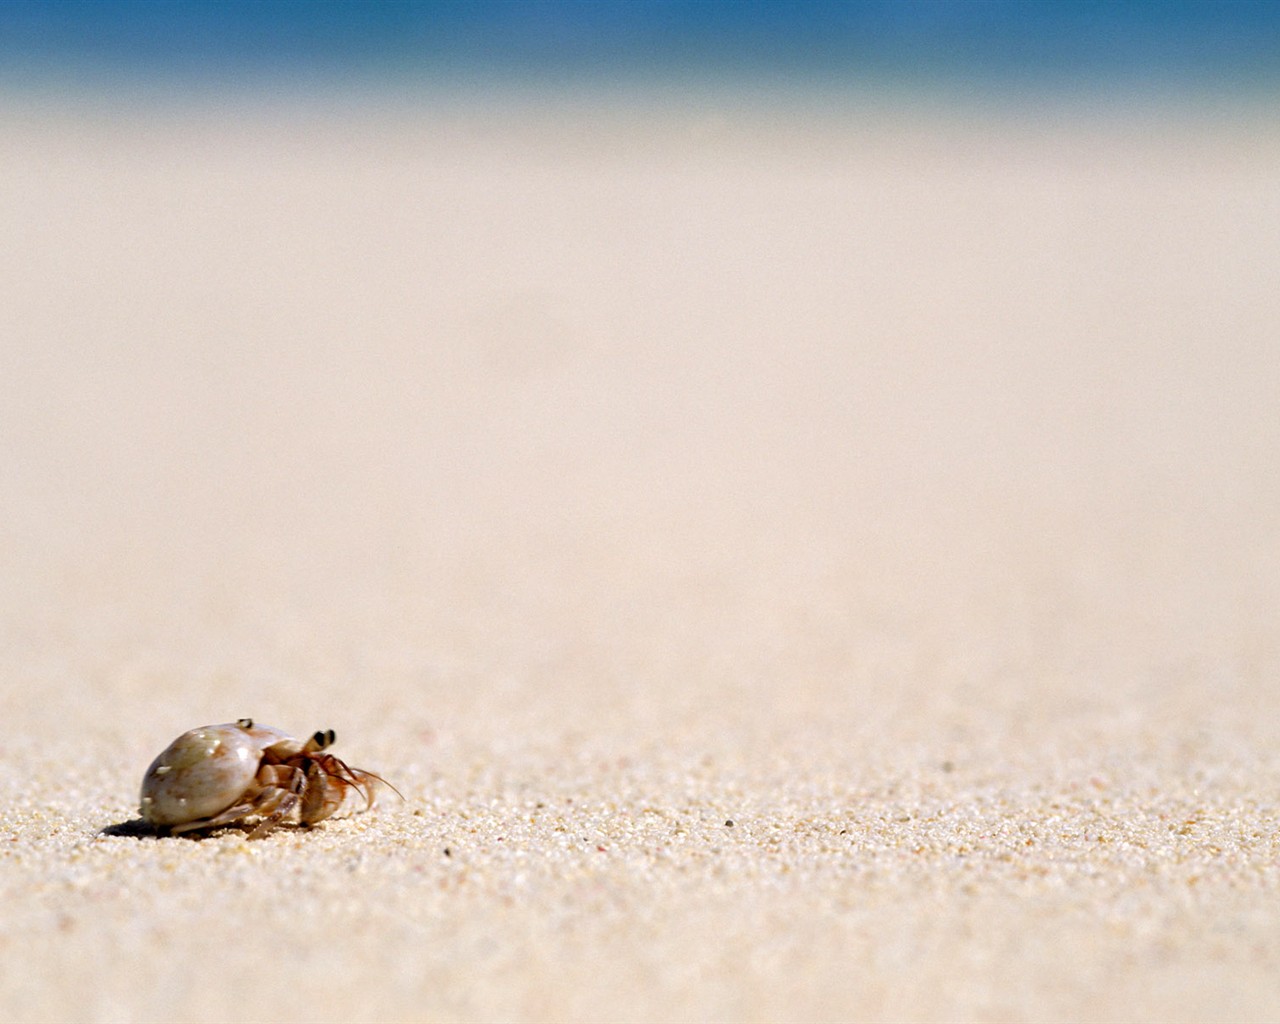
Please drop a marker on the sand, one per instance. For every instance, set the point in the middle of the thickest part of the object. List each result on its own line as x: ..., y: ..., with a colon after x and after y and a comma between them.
x: 810, y: 562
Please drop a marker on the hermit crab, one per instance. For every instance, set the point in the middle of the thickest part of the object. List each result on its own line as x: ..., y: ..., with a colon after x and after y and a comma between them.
x: 221, y: 774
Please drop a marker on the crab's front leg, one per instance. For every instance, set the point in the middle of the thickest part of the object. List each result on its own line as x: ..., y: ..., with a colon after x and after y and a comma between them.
x: 322, y: 795
x: 280, y: 788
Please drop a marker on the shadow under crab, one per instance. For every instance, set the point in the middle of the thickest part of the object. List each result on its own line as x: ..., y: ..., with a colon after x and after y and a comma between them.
x: 134, y: 828
x: 140, y: 828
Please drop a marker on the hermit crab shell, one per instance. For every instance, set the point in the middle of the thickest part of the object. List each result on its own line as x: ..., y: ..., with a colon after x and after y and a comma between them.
x: 203, y: 772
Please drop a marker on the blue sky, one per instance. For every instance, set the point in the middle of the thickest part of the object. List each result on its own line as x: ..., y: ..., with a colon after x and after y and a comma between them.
x: 1213, y: 44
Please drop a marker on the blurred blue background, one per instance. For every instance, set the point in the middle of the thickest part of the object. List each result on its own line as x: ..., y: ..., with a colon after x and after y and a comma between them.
x: 1229, y: 44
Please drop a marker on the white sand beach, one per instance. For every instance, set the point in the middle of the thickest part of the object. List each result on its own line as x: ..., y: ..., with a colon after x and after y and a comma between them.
x: 798, y: 563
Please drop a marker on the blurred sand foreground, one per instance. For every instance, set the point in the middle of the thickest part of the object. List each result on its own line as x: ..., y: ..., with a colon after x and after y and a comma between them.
x: 797, y: 565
